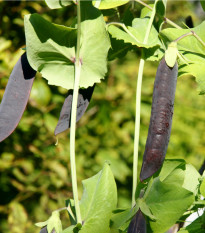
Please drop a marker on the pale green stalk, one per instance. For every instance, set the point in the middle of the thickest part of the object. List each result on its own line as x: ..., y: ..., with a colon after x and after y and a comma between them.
x: 137, y: 114
x: 73, y: 119
x: 165, y: 19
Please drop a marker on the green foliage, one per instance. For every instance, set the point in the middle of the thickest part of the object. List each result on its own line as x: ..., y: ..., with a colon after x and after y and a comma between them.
x: 53, y: 223
x: 164, y: 195
x: 192, y: 49
x: 197, y: 226
x: 136, y: 33
x: 35, y: 177
x: 98, y: 201
x: 54, y: 56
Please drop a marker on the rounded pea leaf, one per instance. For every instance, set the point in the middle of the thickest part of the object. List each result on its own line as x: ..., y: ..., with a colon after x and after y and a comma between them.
x: 51, y: 48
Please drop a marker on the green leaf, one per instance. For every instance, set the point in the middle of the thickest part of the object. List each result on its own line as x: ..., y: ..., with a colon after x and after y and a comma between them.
x: 51, y: 48
x: 53, y: 222
x: 202, y: 187
x: 95, y: 45
x: 202, y: 4
x: 121, y: 217
x: 168, y: 199
x: 145, y: 209
x: 98, y: 201
x: 198, y: 71
x: 41, y: 224
x: 191, y: 179
x: 192, y: 50
x: 136, y: 33
x: 171, y: 54
x: 153, y: 54
x: 198, y: 226
x: 55, y: 4
x: 107, y: 4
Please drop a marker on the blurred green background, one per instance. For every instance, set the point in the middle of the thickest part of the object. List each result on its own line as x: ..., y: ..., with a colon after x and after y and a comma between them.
x: 35, y: 173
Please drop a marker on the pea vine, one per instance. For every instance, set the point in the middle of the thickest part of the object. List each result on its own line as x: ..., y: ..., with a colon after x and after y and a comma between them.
x: 75, y: 58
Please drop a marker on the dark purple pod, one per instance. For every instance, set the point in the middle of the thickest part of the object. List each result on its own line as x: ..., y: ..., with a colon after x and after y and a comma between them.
x: 16, y: 96
x: 84, y: 97
x: 138, y: 223
x: 160, y: 120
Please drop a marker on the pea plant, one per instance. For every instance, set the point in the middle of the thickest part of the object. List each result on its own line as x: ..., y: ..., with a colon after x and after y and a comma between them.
x: 75, y: 58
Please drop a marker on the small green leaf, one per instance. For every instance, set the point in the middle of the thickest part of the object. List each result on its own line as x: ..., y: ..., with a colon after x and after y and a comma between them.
x: 202, y: 187
x: 53, y: 222
x: 107, y: 4
x: 135, y: 34
x: 171, y: 54
x: 55, y: 4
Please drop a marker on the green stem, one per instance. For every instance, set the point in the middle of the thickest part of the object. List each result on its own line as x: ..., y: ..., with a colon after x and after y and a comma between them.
x: 73, y: 120
x: 191, y: 33
x: 164, y: 18
x: 137, y: 114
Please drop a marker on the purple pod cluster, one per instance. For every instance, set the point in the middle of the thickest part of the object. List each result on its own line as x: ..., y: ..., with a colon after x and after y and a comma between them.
x: 17, y: 94
x: 160, y: 120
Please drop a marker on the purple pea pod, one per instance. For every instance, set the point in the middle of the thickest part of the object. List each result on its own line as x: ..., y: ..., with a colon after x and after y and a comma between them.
x: 84, y: 97
x: 160, y: 120
x: 16, y: 96
x: 138, y: 223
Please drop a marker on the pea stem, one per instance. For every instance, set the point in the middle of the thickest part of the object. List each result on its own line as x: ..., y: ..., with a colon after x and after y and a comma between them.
x: 164, y: 18
x: 73, y: 118
x: 191, y: 33
x: 137, y: 114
